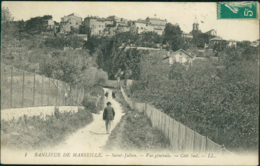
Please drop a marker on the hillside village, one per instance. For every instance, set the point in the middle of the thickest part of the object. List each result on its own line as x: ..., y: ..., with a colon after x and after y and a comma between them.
x: 111, y: 25
x: 203, y: 81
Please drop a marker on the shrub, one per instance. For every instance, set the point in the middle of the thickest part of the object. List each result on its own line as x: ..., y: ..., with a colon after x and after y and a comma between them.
x: 34, y: 132
x: 90, y: 104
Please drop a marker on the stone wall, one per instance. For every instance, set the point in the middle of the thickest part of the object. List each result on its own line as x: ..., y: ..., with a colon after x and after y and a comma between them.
x: 16, y: 113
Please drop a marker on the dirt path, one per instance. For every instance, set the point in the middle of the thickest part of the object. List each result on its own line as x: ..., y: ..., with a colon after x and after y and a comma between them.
x: 92, y: 137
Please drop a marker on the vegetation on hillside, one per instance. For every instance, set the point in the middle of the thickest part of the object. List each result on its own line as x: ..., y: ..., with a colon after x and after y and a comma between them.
x: 218, y: 99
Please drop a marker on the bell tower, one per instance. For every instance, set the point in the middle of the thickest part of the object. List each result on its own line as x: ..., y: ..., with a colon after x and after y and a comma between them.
x: 195, y: 26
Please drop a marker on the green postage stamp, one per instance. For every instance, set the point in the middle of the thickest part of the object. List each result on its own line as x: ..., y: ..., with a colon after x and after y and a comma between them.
x: 237, y: 10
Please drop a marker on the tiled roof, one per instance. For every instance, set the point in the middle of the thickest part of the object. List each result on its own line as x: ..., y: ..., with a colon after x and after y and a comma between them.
x: 216, y: 38
x: 181, y: 50
x: 210, y: 31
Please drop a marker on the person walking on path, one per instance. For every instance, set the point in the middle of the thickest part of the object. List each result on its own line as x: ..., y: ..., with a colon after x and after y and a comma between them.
x: 108, y: 116
x: 113, y: 94
x: 106, y: 94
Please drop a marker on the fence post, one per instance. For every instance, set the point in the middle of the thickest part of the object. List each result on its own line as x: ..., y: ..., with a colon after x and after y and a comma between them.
x: 76, y: 95
x: 145, y: 109
x: 206, y: 144
x: 23, y: 91
x: 34, y: 89
x: 185, y: 138
x: 11, y: 88
x: 223, y: 149
x: 49, y: 90
x: 42, y: 90
x: 178, y: 142
x: 56, y: 94
x: 194, y: 140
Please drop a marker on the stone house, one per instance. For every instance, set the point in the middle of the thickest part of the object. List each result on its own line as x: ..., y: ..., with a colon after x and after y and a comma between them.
x: 113, y: 18
x: 149, y: 24
x: 231, y: 43
x: 139, y: 26
x: 179, y: 56
x: 49, y: 24
x: 211, y: 32
x: 123, y: 28
x: 67, y: 22
x: 255, y: 43
x: 157, y: 24
x: 96, y: 25
x: 217, y: 40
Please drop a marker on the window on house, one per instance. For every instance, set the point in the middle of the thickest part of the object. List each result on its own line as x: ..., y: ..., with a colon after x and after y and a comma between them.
x: 141, y: 27
x: 99, y: 31
x: 76, y: 23
x: 99, y: 25
x: 70, y: 22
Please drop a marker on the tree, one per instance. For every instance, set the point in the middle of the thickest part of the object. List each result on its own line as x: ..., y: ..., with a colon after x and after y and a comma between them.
x: 149, y: 38
x: 67, y: 66
x: 172, y: 36
x: 85, y: 30
x: 219, y: 46
x: 8, y: 31
x: 74, y: 31
x: 37, y: 25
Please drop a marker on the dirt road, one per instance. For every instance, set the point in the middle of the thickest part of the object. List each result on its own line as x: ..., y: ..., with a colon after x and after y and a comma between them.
x: 92, y: 137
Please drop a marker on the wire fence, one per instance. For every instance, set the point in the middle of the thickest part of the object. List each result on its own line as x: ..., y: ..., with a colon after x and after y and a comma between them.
x: 21, y: 89
x: 182, y: 138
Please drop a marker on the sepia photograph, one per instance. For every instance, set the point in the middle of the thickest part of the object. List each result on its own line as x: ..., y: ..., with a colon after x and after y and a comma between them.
x: 137, y: 83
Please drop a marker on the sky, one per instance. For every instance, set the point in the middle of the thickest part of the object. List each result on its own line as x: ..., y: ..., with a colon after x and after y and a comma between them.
x: 182, y: 13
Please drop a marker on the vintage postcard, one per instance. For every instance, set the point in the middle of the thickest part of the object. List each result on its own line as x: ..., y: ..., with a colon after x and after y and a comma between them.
x: 158, y: 83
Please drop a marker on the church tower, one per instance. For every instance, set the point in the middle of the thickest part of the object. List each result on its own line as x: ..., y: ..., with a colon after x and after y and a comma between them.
x: 195, y: 25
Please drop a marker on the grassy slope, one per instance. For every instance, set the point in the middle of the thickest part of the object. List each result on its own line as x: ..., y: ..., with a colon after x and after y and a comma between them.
x: 134, y: 132
x: 31, y: 133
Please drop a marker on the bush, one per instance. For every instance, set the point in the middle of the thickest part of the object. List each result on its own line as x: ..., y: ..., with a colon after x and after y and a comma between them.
x: 33, y: 132
x: 90, y: 104
x: 61, y: 42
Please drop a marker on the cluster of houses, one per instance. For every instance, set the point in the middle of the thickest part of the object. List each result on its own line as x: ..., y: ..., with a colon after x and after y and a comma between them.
x: 111, y: 25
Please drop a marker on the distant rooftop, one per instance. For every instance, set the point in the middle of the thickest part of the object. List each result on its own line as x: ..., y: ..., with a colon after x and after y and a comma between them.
x: 150, y: 18
x: 216, y: 38
x: 74, y: 14
x: 113, y: 18
x: 210, y: 30
x: 141, y: 21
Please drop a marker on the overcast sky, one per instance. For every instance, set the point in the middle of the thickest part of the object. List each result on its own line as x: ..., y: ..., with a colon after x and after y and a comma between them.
x: 181, y: 13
